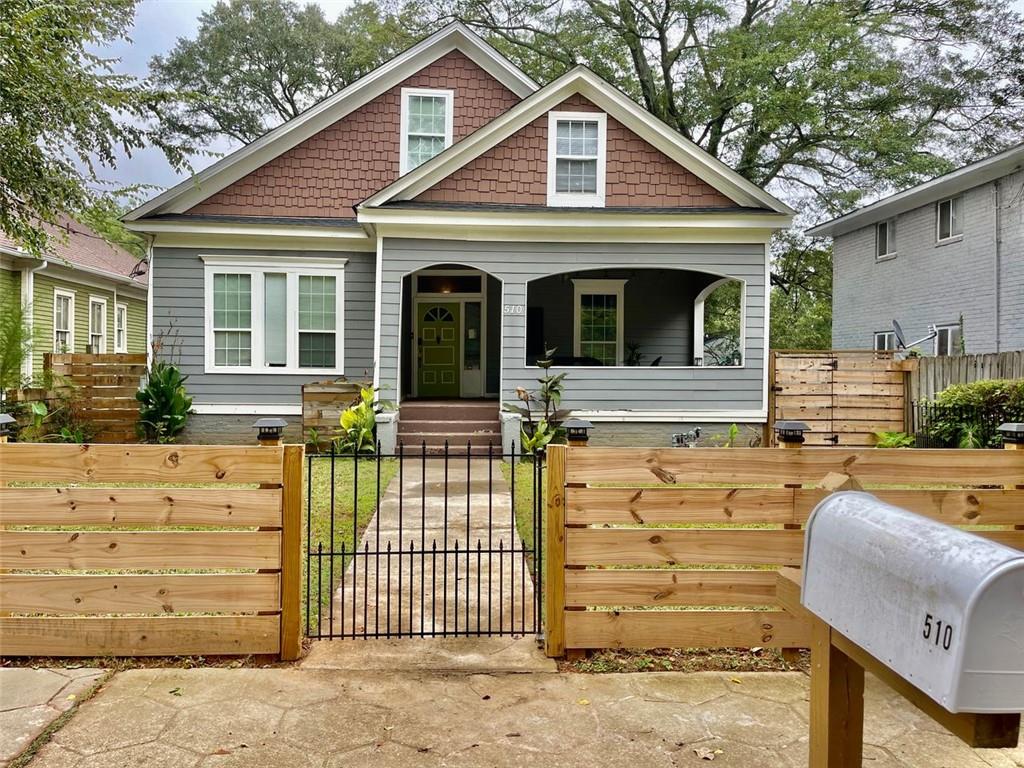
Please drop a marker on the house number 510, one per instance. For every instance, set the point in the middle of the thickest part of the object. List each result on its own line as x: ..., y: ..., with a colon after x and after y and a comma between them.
x: 515, y: 309
x: 938, y: 631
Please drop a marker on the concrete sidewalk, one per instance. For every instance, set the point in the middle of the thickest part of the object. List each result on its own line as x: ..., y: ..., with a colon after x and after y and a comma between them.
x: 430, y: 582
x: 341, y: 718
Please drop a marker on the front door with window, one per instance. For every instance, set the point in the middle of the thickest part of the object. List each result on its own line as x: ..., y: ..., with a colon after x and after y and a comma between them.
x: 438, y: 353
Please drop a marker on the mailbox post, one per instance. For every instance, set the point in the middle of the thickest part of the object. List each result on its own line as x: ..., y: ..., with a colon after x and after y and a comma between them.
x: 933, y: 611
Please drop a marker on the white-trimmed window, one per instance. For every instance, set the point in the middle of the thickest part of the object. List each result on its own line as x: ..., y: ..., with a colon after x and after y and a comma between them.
x: 284, y: 319
x: 947, y: 341
x: 949, y: 218
x: 576, y: 158
x: 120, y: 328
x: 63, y: 321
x: 885, y: 239
x: 885, y: 340
x: 426, y: 125
x: 98, y: 324
x: 599, y: 314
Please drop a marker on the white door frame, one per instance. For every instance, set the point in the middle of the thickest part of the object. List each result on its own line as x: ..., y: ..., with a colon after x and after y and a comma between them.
x: 452, y: 298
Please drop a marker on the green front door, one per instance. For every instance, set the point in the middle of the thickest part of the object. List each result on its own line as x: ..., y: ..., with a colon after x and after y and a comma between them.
x: 437, y: 349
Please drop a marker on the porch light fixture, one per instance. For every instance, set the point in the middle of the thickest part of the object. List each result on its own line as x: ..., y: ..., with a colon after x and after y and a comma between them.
x: 791, y: 431
x: 1013, y: 433
x: 7, y: 426
x: 577, y: 430
x: 270, y: 430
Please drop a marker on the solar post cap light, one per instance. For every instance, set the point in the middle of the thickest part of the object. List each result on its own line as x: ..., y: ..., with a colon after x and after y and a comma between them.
x: 7, y: 425
x: 791, y: 431
x: 1013, y: 433
x: 577, y: 431
x: 940, y: 607
x: 270, y: 430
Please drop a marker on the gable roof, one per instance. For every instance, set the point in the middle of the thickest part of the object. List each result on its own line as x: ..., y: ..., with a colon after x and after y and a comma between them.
x: 79, y: 246
x: 939, y: 188
x: 581, y: 80
x: 231, y: 168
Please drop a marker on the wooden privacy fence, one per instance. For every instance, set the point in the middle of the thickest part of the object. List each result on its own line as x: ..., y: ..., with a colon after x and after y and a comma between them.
x: 678, y: 547
x: 934, y: 374
x: 152, y: 569
x: 844, y: 396
x: 105, y: 387
x: 322, y: 404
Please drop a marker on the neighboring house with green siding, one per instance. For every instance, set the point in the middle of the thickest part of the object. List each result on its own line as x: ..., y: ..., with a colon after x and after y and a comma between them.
x: 85, y: 296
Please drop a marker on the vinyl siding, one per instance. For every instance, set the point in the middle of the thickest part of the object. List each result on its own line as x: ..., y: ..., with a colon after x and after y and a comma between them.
x: 639, y: 388
x: 178, y: 326
x: 929, y: 282
x: 42, y: 312
x: 10, y: 287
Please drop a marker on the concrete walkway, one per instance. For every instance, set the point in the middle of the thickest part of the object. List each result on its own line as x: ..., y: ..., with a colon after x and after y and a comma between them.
x: 32, y: 699
x: 431, y: 583
x: 321, y: 718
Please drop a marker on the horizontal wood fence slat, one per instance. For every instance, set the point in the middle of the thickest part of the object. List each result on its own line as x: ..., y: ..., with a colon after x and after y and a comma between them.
x: 245, y: 599
x: 257, y: 507
x: 757, y: 465
x: 140, y: 549
x: 669, y: 587
x: 142, y: 636
x: 628, y: 506
x: 628, y: 528
x: 139, y: 463
x: 139, y: 593
x: 684, y: 629
x: 671, y: 546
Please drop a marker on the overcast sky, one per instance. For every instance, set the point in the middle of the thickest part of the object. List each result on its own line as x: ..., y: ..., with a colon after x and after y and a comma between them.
x: 158, y: 25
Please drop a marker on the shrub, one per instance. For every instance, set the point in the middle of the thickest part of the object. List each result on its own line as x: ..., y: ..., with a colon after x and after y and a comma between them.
x: 967, y: 415
x: 163, y: 403
x: 358, y: 424
x: 894, y: 440
x: 15, y: 343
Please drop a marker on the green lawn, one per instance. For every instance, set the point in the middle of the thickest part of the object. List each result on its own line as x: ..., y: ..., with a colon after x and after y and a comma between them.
x: 523, y: 498
x: 347, y: 497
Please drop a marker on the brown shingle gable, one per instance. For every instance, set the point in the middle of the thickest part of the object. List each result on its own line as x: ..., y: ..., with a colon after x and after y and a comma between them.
x: 330, y: 172
x: 514, y: 172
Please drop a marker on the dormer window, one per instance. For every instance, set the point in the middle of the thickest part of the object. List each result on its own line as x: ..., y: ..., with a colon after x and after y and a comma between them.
x: 576, y: 159
x: 426, y: 125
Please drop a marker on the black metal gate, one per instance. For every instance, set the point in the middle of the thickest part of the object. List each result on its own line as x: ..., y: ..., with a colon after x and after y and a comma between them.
x: 423, y: 543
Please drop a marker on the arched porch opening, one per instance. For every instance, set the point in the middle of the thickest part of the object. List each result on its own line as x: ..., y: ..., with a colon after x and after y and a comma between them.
x: 450, y: 333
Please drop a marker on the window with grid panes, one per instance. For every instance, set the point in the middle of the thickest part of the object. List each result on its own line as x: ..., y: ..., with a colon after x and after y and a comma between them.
x: 317, y: 322
x: 599, y: 323
x: 576, y: 143
x: 426, y: 132
x: 232, y: 319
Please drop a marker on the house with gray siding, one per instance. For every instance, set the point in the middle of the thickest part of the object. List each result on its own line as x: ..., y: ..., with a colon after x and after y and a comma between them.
x: 436, y: 227
x: 947, y: 253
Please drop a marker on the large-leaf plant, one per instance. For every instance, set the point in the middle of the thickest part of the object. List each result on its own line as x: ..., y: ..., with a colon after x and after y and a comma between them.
x: 164, y: 404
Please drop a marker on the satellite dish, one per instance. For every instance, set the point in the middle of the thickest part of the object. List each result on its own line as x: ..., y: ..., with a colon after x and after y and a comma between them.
x: 901, y: 340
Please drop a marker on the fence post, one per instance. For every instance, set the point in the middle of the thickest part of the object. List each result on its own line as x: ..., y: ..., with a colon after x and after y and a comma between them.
x: 291, y: 545
x: 554, y: 576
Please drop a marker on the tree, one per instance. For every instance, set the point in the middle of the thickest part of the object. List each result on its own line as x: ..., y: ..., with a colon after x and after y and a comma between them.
x: 820, y: 101
x: 801, y: 299
x: 259, y: 63
x: 66, y: 113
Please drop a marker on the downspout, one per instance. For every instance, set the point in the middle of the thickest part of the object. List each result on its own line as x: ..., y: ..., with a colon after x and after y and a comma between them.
x: 998, y: 262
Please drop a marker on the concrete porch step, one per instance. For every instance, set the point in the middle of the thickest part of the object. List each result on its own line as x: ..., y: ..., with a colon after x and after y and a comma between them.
x: 449, y: 410
x: 407, y: 426
x: 478, y: 441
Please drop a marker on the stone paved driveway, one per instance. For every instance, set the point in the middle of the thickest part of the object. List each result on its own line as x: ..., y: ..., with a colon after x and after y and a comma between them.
x: 332, y: 718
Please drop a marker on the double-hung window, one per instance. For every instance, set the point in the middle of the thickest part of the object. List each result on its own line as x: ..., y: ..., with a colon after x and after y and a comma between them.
x: 426, y: 125
x: 285, y: 319
x: 949, y: 215
x: 885, y: 340
x: 599, y: 321
x: 98, y: 324
x: 885, y: 239
x: 576, y: 158
x: 63, y: 321
x: 947, y: 341
x: 121, y: 328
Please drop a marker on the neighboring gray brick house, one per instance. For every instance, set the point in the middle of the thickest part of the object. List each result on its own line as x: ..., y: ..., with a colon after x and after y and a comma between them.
x: 947, y: 249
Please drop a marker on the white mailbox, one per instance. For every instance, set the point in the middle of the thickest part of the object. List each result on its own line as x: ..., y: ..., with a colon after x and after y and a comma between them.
x: 941, y: 607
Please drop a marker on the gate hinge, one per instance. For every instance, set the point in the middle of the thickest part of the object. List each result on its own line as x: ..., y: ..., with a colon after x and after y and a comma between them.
x: 833, y: 364
x: 834, y: 439
x: 776, y: 388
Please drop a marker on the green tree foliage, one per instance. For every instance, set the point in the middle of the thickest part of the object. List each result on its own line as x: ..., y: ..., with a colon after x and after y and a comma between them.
x: 259, y: 63
x: 64, y: 109
x: 103, y: 215
x: 801, y: 300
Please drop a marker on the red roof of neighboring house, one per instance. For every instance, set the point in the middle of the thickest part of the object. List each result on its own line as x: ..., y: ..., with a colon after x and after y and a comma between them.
x: 79, y: 246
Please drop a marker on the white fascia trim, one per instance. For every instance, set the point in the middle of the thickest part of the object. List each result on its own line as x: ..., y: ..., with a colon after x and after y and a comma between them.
x: 581, y: 199
x: 949, y: 185
x: 234, y: 166
x: 94, y: 279
x: 522, y: 233
x: 242, y: 409
x: 626, y: 416
x: 259, y: 242
x: 240, y: 229
x: 583, y: 81
x: 268, y: 263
